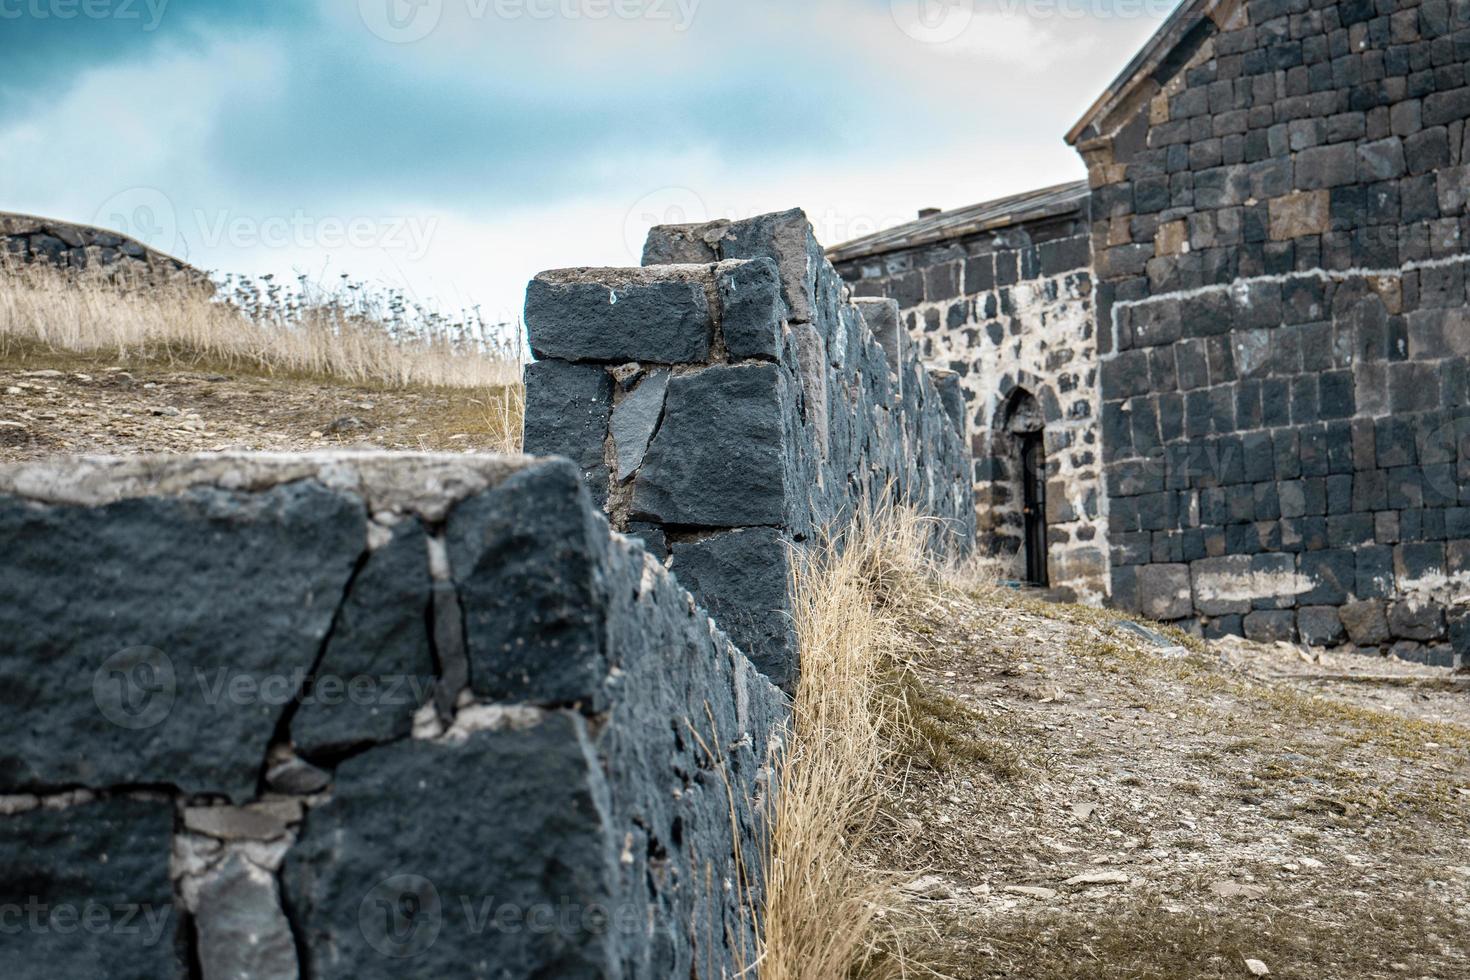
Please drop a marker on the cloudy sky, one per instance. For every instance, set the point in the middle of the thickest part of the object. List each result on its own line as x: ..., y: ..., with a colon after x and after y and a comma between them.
x: 457, y: 147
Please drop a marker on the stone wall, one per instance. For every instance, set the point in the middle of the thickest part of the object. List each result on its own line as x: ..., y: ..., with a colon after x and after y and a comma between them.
x: 1010, y: 311
x: 25, y: 240
x: 728, y: 402
x: 348, y: 715
x: 1280, y: 237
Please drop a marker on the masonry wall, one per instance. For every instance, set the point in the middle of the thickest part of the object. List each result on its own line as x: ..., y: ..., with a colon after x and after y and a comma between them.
x: 1280, y: 237
x: 347, y: 715
x: 729, y: 403
x: 1011, y: 311
x: 25, y: 240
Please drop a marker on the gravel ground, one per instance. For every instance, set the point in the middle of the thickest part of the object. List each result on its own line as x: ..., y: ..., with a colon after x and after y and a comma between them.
x: 1115, y: 806
x: 73, y: 405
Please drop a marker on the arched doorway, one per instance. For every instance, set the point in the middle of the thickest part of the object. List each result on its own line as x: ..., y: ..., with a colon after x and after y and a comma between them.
x: 1019, y: 442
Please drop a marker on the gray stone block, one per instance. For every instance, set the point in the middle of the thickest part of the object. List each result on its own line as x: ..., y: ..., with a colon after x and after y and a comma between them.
x: 742, y: 578
x: 172, y: 630
x: 1416, y: 619
x: 420, y: 838
x: 751, y: 308
x: 526, y: 559
x: 660, y: 314
x: 240, y: 929
x: 1320, y: 626
x: 1164, y: 592
x: 377, y: 668
x: 1270, y: 625
x: 720, y: 458
x: 1366, y: 622
x: 885, y: 323
x: 636, y: 419
x: 103, y: 861
x: 567, y: 411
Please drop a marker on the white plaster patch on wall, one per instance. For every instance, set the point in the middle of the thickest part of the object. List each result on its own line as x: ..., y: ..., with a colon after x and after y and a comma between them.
x: 1246, y: 586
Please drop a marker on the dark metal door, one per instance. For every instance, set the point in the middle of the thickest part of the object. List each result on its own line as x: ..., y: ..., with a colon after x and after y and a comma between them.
x: 1033, y: 466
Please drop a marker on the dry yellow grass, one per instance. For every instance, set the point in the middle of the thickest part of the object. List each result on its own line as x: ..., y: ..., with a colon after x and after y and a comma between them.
x: 824, y: 915
x: 327, y: 335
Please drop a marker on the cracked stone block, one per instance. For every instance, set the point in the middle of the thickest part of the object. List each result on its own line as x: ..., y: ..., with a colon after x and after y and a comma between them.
x: 741, y: 577
x: 526, y: 559
x: 90, y: 891
x: 241, y: 932
x: 173, y: 630
x: 439, y: 858
x: 377, y: 668
x: 660, y: 315
x: 567, y: 412
x: 636, y: 419
x: 751, y: 308
x: 720, y: 457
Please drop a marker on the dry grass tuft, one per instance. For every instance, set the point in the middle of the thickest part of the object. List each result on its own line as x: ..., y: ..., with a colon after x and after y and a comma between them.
x: 824, y: 913
x: 350, y: 334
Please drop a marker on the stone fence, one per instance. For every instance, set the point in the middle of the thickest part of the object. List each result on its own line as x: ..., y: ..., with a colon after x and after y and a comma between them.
x: 363, y: 716
x: 730, y: 401
x: 376, y: 715
x: 25, y: 240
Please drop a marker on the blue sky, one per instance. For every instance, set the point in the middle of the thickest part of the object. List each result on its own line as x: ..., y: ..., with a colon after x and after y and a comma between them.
x: 457, y: 147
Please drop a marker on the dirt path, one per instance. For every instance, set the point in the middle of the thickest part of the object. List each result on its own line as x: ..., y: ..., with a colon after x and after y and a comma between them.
x: 1111, y: 808
x: 54, y: 404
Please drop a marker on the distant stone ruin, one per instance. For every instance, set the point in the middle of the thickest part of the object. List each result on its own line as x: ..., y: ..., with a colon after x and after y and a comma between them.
x: 26, y: 240
x: 1247, y: 336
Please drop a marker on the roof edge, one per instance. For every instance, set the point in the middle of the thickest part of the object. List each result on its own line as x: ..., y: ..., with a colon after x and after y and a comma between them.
x: 1180, y: 26
x: 1015, y: 209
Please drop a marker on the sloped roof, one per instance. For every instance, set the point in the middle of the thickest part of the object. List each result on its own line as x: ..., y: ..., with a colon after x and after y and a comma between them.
x: 1047, y: 202
x: 1190, y: 22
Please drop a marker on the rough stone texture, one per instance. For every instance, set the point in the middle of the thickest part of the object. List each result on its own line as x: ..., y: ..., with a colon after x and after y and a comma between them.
x: 104, y: 862
x: 242, y: 934
x: 143, y: 632
x: 1010, y: 311
x: 718, y: 460
x: 1279, y: 233
x: 618, y: 315
x: 797, y: 418
x: 42, y: 241
x: 568, y: 407
x: 377, y: 668
x: 596, y: 786
x: 732, y: 575
x: 636, y: 420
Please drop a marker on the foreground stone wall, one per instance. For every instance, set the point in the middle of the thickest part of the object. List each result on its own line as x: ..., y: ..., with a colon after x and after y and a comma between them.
x: 1010, y: 311
x: 363, y: 716
x: 1280, y: 236
x: 25, y: 240
x: 729, y: 401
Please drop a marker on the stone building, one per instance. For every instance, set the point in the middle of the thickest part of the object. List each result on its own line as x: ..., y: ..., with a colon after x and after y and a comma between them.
x: 1254, y: 394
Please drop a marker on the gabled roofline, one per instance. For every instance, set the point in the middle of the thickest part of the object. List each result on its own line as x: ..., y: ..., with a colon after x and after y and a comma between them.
x: 1191, y: 23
